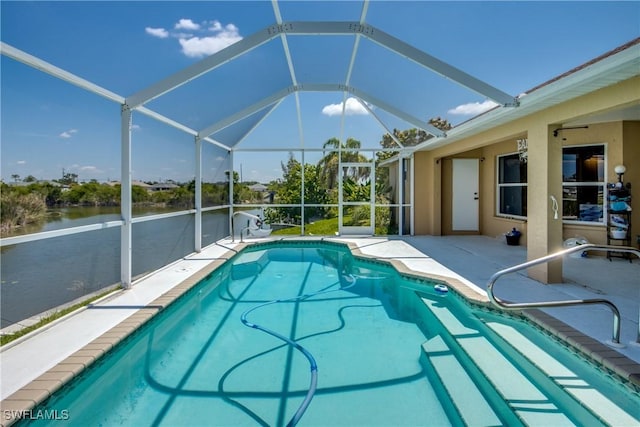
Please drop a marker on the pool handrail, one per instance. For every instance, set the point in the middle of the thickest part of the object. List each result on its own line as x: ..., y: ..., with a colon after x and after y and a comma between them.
x: 528, y: 305
x: 242, y: 230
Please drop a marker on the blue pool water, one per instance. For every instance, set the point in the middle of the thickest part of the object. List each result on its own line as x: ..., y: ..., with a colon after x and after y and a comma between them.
x: 389, y: 350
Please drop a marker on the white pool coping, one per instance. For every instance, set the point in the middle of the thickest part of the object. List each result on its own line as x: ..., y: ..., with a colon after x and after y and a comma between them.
x: 36, y: 353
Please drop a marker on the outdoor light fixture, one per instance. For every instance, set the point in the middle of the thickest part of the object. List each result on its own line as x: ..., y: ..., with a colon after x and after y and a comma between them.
x: 620, y: 170
x: 555, y: 131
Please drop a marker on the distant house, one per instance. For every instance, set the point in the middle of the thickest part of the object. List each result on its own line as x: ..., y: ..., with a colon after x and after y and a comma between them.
x: 162, y: 186
x: 149, y: 187
x: 259, y: 188
x: 40, y: 181
x: 18, y: 183
x: 142, y: 184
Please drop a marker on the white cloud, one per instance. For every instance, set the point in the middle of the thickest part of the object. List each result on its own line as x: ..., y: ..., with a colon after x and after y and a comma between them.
x: 196, y: 47
x: 231, y: 28
x: 21, y: 162
x: 187, y: 24
x: 199, y: 40
x: 135, y: 127
x: 68, y: 133
x: 352, y: 107
x: 161, y: 33
x: 473, y: 108
x: 215, y: 26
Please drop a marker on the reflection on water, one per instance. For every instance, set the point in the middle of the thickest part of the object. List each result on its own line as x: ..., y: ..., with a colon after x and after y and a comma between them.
x: 41, y: 275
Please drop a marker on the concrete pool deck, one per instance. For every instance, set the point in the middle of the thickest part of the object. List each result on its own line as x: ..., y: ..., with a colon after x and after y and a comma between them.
x: 35, y: 366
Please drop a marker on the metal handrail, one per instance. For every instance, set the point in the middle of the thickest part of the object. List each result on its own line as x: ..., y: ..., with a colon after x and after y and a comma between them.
x: 580, y: 248
x: 233, y: 237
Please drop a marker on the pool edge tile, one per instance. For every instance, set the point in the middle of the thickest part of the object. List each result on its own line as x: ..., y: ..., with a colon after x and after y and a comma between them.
x: 11, y: 407
x: 604, y: 356
x: 38, y: 390
x: 591, y: 349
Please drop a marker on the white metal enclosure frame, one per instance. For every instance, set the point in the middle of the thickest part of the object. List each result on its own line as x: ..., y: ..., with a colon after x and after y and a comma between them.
x: 282, y: 30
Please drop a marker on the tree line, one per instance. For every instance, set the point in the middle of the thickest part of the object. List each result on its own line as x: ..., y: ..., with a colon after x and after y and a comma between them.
x: 23, y: 204
x: 321, y: 180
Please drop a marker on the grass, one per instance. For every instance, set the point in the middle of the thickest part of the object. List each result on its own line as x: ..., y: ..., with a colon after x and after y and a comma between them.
x: 5, y: 339
x: 323, y: 227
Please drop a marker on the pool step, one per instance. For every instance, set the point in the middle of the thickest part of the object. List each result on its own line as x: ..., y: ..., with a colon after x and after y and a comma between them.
x: 466, y: 400
x: 249, y: 264
x: 569, y: 381
x: 504, y: 372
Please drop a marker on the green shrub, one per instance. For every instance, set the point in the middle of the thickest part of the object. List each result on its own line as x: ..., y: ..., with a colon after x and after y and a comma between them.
x: 21, y: 209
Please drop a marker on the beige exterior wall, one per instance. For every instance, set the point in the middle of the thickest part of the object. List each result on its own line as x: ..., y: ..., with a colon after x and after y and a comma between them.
x: 631, y: 159
x: 427, y: 194
x: 433, y: 171
x: 493, y: 225
x: 609, y: 134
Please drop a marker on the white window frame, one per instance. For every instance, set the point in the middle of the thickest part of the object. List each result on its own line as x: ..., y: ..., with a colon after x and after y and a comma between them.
x: 504, y: 185
x: 603, y: 184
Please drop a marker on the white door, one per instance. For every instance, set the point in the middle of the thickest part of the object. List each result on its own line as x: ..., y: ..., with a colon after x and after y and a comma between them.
x: 466, y: 200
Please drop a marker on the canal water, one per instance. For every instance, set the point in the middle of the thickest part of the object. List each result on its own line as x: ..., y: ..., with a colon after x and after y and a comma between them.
x: 40, y: 276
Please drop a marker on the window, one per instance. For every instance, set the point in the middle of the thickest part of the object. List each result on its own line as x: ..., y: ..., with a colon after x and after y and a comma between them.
x: 583, y: 183
x: 512, y: 186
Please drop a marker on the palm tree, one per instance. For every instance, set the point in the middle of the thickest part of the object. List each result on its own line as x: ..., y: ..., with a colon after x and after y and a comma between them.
x: 328, y: 165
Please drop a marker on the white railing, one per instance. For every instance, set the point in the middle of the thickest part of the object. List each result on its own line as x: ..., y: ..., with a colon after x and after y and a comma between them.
x: 542, y: 260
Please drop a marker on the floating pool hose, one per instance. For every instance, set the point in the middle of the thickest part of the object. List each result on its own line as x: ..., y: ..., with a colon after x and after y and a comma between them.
x: 312, y: 362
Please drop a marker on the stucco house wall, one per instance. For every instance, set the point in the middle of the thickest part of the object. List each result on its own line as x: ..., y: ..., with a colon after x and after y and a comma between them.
x: 622, y: 138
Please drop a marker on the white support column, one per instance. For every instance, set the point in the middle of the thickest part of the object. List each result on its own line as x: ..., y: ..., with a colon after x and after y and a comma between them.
x: 372, y: 196
x: 339, y: 177
x: 125, y: 198
x: 412, y: 215
x: 198, y: 196
x: 401, y: 192
x: 302, y: 196
x: 231, y: 194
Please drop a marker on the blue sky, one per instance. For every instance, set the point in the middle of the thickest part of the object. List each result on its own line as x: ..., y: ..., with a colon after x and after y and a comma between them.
x: 48, y: 126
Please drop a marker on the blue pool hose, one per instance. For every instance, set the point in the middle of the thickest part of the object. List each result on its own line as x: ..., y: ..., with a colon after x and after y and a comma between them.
x: 312, y: 362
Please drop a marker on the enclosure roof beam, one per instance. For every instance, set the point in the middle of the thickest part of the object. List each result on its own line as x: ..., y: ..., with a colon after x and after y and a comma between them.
x: 319, y: 28
x: 404, y: 49
x: 30, y: 60
x: 228, y: 121
x: 398, y: 113
x: 319, y: 87
x: 37, y: 63
x: 159, y: 117
x: 356, y: 43
x: 375, y: 101
x: 202, y: 67
x: 262, y: 119
x: 292, y: 71
x: 375, y: 116
x: 440, y: 67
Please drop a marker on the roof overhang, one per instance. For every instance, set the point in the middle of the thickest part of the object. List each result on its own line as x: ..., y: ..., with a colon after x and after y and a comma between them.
x: 612, y: 69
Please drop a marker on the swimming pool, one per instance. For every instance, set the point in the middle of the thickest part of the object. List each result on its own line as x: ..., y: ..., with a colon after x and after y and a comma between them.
x: 389, y: 350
